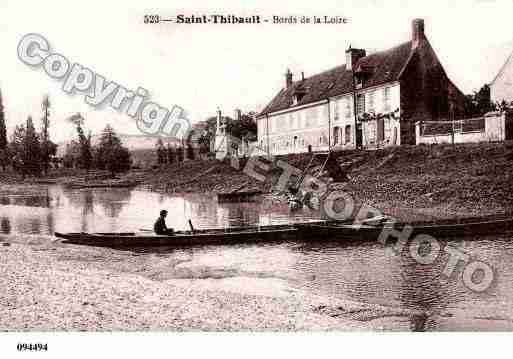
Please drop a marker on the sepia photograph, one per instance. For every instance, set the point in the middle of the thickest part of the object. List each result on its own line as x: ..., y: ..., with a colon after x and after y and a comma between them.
x: 173, y: 170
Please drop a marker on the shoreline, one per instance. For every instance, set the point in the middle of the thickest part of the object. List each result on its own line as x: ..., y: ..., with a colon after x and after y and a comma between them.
x: 48, y: 285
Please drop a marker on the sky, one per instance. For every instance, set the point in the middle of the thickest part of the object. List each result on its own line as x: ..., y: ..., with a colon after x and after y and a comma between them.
x: 201, y: 67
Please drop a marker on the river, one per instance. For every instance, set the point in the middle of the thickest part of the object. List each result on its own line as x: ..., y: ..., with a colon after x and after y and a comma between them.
x: 363, y: 272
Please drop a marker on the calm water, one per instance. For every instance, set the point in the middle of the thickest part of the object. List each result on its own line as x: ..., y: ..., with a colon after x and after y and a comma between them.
x: 354, y: 272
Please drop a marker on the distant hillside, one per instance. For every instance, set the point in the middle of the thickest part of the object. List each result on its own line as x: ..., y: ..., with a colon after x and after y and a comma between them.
x: 132, y: 142
x: 144, y: 158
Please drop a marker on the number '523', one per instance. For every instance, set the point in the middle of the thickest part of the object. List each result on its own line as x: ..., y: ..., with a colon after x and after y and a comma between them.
x: 151, y: 19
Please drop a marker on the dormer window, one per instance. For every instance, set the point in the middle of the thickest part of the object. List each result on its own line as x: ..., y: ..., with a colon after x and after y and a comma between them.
x: 359, y: 81
x: 298, y: 95
x: 297, y: 98
x: 362, y: 73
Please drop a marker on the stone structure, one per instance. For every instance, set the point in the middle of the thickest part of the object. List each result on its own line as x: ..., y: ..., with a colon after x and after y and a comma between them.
x: 222, y: 141
x: 492, y: 127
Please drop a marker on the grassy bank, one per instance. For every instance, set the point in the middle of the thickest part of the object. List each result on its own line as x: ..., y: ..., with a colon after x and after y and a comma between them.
x: 410, y: 182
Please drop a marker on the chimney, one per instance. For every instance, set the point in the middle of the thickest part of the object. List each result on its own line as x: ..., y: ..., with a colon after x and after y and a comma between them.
x: 417, y: 32
x: 302, y: 76
x: 352, y: 57
x: 288, y: 78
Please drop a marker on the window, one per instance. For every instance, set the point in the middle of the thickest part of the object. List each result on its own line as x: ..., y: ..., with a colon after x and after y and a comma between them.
x: 380, y: 130
x: 360, y: 104
x: 387, y: 128
x: 335, y: 135
x: 348, y: 134
x: 371, y: 100
x: 348, y: 107
x: 335, y: 111
x: 371, y: 132
x: 311, y: 115
x: 386, y: 98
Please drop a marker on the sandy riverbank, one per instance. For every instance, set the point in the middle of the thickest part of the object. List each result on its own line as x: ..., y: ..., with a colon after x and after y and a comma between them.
x: 46, y: 285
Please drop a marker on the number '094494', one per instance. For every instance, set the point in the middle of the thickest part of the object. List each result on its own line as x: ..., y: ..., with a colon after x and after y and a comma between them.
x: 37, y: 347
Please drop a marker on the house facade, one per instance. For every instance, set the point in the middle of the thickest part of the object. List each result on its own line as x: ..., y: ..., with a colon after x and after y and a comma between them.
x: 501, y: 88
x: 371, y: 101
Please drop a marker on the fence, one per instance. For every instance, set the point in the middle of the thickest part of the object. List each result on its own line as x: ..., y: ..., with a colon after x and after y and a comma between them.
x: 490, y: 127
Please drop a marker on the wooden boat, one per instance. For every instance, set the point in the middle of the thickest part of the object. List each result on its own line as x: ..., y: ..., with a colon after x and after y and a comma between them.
x: 438, y: 229
x: 185, y: 238
x: 309, y: 231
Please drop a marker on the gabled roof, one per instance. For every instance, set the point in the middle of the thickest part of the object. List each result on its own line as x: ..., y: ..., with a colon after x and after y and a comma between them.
x: 386, y: 66
x: 503, y: 68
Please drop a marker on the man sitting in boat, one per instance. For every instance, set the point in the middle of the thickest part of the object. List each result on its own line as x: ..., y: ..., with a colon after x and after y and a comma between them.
x: 160, y: 225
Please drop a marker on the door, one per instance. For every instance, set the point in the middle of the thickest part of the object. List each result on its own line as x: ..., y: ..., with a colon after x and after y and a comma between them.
x: 359, y: 136
x: 381, y: 130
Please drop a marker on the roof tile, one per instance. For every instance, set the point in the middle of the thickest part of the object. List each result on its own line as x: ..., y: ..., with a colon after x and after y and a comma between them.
x: 385, y: 66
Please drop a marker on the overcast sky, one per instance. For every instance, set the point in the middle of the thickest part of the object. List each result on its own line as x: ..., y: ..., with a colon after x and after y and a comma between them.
x: 200, y: 67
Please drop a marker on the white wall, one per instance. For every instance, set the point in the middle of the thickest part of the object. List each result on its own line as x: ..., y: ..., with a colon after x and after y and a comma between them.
x: 494, y: 131
x: 495, y: 125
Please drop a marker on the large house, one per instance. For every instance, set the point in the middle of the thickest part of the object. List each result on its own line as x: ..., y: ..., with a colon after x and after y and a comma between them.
x: 390, y: 90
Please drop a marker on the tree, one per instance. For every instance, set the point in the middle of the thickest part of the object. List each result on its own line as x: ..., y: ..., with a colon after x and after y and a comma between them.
x: 16, y: 147
x: 110, y: 153
x: 85, y: 156
x: 31, y: 155
x: 179, y: 154
x: 479, y: 102
x: 71, y: 155
x: 170, y: 154
x: 190, y: 152
x: 79, y: 154
x: 3, y: 136
x: 161, y: 152
x: 204, y: 142
x: 45, y: 136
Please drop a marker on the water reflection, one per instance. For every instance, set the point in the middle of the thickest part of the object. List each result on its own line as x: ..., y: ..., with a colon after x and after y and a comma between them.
x: 113, y: 202
x: 360, y: 272
x: 45, y: 209
x: 5, y: 225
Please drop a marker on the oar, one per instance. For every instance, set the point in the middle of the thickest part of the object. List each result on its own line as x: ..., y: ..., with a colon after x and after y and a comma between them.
x: 145, y: 230
x: 190, y: 225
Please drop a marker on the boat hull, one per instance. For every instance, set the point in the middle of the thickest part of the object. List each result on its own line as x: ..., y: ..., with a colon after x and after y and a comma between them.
x: 205, y: 237
x: 312, y: 231
x: 366, y: 232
